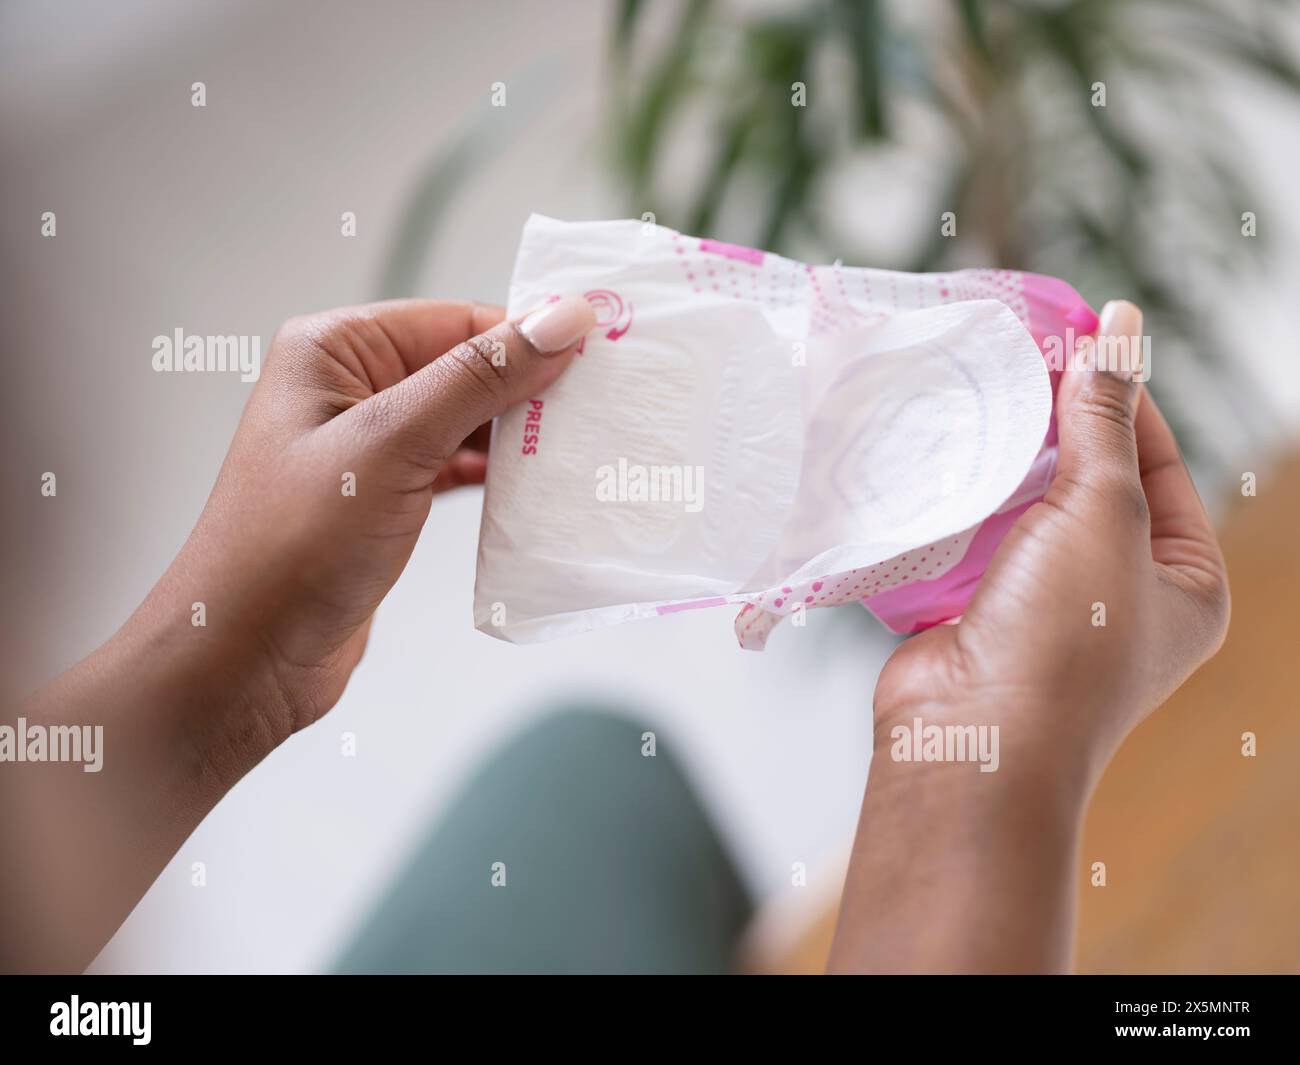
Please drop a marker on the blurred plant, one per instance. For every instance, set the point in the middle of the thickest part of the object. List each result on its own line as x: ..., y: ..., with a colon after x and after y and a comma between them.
x: 453, y: 164
x: 1141, y: 195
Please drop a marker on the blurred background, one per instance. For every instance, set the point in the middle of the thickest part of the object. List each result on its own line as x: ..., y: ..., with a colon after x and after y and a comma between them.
x: 1144, y: 149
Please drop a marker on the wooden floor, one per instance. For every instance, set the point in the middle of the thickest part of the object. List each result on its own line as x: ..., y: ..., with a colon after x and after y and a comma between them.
x: 1201, y: 845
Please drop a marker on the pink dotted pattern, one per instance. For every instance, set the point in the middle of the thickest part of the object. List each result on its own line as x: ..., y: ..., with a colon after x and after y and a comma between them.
x: 758, y: 617
x: 841, y: 298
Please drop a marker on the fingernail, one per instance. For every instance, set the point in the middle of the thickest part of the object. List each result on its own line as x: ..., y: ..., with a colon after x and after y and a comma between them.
x: 1122, y: 321
x: 556, y: 327
x: 1120, y: 318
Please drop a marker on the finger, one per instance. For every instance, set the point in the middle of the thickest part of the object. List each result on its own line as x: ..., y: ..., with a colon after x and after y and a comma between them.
x: 464, y: 467
x: 427, y: 415
x: 383, y: 343
x: 1097, y: 407
x: 1183, y: 542
x: 421, y: 330
x: 1181, y: 532
x: 480, y: 438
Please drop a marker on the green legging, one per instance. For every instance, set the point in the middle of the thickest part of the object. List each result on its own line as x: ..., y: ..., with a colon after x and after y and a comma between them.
x: 610, y: 865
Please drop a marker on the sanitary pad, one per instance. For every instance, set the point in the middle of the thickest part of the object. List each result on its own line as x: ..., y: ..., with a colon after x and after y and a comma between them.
x: 745, y: 429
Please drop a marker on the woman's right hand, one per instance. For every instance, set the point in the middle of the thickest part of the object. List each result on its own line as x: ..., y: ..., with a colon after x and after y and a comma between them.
x: 1100, y: 602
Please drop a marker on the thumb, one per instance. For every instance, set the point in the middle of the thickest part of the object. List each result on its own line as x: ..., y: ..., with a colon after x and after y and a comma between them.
x: 426, y: 416
x: 1097, y: 406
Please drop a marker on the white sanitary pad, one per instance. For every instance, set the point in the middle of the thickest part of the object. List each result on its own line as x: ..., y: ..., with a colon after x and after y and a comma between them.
x: 742, y: 428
